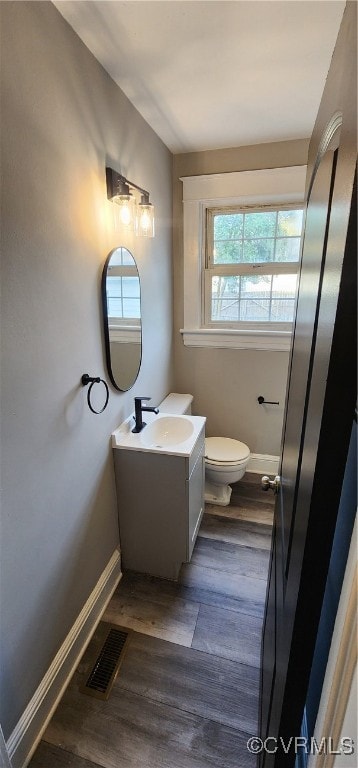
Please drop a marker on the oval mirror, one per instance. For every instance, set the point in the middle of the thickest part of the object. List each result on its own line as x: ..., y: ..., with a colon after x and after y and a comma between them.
x: 122, y: 318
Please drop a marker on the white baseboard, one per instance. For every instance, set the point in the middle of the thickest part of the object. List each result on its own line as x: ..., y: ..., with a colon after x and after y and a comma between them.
x: 263, y: 463
x: 34, y: 720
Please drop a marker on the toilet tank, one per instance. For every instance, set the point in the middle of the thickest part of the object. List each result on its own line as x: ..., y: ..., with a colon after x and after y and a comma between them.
x: 176, y: 403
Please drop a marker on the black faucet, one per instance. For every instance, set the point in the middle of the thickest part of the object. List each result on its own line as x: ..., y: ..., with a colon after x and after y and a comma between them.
x: 139, y: 408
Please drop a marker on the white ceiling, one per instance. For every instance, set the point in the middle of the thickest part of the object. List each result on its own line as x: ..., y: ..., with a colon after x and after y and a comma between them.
x: 209, y: 74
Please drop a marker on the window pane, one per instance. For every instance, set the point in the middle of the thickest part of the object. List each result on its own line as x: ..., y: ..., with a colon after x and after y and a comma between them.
x: 257, y: 237
x: 284, y: 286
x: 227, y: 238
x: 116, y: 259
x: 123, y: 297
x: 120, y: 257
x: 130, y: 287
x: 255, y: 309
x: 289, y: 223
x: 283, y: 298
x: 114, y: 307
x: 282, y: 310
x: 127, y: 258
x: 225, y: 311
x: 287, y: 249
x: 131, y: 308
x: 227, y: 251
x: 228, y: 226
x: 258, y: 250
x: 256, y: 287
x: 257, y: 298
x: 225, y: 294
x: 260, y: 224
x: 113, y: 286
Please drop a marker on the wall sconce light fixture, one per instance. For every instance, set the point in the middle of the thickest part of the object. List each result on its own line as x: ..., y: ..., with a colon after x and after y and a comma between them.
x: 130, y: 215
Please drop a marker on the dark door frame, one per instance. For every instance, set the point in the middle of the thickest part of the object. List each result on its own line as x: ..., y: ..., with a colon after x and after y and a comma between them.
x: 331, y: 399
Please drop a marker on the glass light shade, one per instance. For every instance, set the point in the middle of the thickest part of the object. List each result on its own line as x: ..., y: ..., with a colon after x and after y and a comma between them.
x: 124, y: 212
x: 145, y: 220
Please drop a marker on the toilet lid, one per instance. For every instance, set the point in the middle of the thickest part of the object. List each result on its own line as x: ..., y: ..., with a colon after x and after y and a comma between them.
x: 225, y: 449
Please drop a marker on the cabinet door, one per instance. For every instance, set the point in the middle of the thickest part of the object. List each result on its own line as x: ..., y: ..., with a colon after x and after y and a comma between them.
x: 196, y: 502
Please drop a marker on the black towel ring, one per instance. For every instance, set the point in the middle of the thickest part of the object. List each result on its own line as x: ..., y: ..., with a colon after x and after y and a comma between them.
x: 86, y: 379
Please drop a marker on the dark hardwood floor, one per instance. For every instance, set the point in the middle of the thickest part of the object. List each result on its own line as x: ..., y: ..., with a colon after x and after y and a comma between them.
x: 187, y: 692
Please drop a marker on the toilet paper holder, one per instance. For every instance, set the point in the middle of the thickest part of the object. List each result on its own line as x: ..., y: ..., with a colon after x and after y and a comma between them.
x: 261, y: 400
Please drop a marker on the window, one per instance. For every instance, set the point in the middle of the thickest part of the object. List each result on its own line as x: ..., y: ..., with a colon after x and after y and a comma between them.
x: 123, y: 296
x: 122, y: 289
x: 251, y: 265
x: 241, y: 255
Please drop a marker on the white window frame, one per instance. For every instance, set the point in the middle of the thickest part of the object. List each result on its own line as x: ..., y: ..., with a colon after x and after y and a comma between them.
x: 275, y: 187
x: 212, y: 269
x: 124, y: 330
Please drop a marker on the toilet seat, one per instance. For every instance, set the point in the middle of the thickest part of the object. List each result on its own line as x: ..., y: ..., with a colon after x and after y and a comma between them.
x: 224, y: 451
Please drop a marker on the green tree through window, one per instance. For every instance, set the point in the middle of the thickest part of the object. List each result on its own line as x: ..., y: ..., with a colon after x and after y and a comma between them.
x: 262, y: 248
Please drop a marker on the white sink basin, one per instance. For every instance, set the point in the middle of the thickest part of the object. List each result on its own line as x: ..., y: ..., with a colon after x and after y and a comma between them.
x: 173, y: 434
x: 166, y: 430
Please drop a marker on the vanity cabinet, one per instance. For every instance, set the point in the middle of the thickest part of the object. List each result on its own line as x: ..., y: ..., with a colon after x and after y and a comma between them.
x: 160, y: 506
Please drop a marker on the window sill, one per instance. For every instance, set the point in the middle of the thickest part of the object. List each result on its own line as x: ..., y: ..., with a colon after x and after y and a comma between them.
x: 270, y: 340
x: 125, y: 335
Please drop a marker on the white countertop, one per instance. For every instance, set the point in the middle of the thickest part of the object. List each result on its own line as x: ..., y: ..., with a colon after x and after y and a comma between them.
x: 124, y: 438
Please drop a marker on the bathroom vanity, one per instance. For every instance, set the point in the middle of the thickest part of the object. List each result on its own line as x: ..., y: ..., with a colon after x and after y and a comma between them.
x: 160, y: 490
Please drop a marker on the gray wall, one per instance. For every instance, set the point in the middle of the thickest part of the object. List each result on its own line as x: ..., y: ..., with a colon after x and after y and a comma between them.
x: 226, y: 382
x: 63, y: 119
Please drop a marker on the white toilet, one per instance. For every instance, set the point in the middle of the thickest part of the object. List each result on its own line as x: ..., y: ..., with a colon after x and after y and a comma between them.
x: 225, y: 463
x: 225, y: 459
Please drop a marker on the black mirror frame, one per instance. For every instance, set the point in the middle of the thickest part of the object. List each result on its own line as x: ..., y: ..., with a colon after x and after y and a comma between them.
x: 105, y: 321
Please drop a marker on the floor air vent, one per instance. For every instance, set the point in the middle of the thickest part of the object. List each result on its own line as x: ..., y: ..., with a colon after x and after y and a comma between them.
x: 107, y: 662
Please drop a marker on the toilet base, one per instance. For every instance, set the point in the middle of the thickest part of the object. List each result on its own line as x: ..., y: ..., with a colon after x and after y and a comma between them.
x: 217, y: 494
